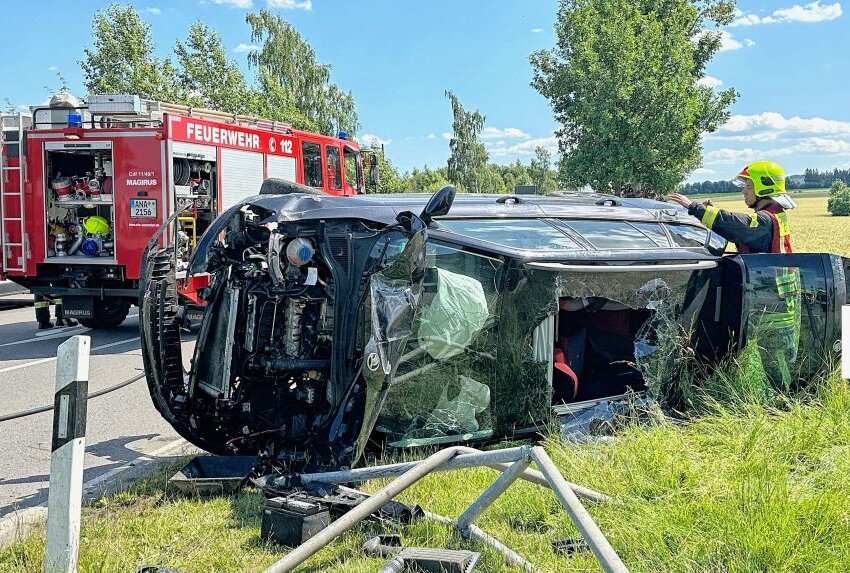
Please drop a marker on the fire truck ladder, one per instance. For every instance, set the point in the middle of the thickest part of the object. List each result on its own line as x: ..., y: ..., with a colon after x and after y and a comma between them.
x: 12, y: 212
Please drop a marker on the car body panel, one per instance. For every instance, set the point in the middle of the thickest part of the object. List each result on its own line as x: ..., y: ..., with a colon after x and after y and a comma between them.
x: 461, y: 329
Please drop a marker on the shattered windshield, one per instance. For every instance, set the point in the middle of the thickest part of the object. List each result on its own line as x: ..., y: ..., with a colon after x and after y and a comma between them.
x: 462, y: 378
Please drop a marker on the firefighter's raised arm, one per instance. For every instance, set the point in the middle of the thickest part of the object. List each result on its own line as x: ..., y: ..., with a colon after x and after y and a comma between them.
x: 755, y: 228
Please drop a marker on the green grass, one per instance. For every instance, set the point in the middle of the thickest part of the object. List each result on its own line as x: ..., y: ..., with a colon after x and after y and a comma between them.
x: 750, y: 486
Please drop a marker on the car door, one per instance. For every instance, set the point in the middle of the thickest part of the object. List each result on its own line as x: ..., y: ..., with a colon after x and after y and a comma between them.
x: 784, y: 307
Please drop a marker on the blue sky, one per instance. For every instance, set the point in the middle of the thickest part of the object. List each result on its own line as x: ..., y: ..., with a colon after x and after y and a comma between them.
x: 789, y: 61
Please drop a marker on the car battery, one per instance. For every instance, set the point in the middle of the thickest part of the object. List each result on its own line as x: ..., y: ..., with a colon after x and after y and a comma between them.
x: 291, y: 522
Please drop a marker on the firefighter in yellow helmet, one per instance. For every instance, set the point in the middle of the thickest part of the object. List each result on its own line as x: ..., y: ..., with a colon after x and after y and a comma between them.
x: 766, y: 229
x: 775, y: 324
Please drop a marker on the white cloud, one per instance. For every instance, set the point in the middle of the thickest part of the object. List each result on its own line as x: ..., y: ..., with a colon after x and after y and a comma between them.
x: 710, y: 82
x: 234, y: 3
x: 243, y: 48
x: 728, y: 42
x: 526, y: 147
x: 536, y: 30
x: 372, y: 139
x: 52, y: 69
x: 153, y: 11
x: 24, y: 107
x: 703, y: 171
x: 812, y: 145
x: 290, y: 4
x: 774, y: 122
x: 509, y: 132
x: 431, y: 136
x: 447, y: 135
x: 810, y: 13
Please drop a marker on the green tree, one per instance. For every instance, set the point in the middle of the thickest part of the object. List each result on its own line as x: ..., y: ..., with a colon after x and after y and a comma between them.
x: 468, y: 160
x: 121, y: 59
x: 541, y: 171
x: 389, y: 180
x: 208, y: 78
x: 623, y: 83
x: 839, y: 199
x: 425, y: 180
x: 291, y: 79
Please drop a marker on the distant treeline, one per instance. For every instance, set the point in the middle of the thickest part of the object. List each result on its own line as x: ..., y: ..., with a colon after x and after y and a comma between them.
x: 810, y: 179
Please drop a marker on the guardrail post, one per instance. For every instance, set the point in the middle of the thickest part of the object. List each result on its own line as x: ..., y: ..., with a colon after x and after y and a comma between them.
x: 66, y: 461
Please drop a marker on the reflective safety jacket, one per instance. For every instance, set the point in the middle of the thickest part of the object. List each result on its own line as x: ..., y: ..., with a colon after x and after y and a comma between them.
x: 765, y: 231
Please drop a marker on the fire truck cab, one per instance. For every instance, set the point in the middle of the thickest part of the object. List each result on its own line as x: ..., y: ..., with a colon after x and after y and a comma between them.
x: 84, y: 187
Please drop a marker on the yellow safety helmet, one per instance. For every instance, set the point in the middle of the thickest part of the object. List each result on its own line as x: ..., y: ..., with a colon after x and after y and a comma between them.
x: 96, y: 225
x: 768, y: 179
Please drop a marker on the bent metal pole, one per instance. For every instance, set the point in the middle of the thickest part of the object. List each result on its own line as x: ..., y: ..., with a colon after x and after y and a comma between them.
x: 597, y: 541
x: 65, y: 495
x: 301, y: 553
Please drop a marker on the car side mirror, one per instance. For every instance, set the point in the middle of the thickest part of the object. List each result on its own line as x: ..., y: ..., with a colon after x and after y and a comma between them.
x: 439, y: 204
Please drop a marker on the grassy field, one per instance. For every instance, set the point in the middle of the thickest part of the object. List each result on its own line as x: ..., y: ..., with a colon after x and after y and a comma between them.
x: 745, y: 485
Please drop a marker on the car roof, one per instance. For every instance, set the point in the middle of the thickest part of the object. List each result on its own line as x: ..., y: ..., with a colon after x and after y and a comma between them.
x: 385, y: 207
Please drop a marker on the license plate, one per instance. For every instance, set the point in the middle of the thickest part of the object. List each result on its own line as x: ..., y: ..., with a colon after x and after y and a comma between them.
x: 143, y: 208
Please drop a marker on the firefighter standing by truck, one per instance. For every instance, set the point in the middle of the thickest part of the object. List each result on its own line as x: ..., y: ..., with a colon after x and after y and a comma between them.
x: 42, y: 312
x: 766, y: 230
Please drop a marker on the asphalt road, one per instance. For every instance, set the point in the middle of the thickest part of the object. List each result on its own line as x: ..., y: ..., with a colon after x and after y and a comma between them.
x: 122, y: 426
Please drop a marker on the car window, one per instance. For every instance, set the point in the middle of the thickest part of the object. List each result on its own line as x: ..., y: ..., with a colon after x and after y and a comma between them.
x: 611, y: 234
x: 515, y: 233
x: 654, y: 232
x: 786, y: 315
x: 687, y: 236
x: 443, y: 389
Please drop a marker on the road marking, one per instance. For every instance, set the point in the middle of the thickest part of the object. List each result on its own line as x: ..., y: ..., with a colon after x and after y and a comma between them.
x: 52, y: 358
x: 15, y: 525
x: 49, y: 335
x: 166, y: 449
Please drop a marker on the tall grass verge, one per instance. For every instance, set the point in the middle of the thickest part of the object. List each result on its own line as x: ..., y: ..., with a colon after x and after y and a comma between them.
x: 756, y: 485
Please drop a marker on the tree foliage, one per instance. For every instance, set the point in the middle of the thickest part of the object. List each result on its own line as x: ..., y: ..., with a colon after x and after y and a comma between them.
x: 290, y: 76
x: 207, y: 77
x: 623, y: 83
x: 468, y: 160
x: 121, y: 59
x: 839, y: 199
x: 541, y: 172
x: 289, y: 84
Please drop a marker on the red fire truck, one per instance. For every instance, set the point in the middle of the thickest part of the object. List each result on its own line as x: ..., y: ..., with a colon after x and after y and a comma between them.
x: 84, y: 187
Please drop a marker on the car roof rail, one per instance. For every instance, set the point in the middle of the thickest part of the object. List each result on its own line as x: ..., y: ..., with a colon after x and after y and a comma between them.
x: 510, y: 199
x: 609, y: 202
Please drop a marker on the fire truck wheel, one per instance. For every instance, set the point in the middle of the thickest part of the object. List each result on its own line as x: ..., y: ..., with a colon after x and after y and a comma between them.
x: 108, y: 313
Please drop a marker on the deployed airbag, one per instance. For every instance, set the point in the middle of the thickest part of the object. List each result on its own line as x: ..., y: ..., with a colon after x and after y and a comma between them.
x: 455, y: 316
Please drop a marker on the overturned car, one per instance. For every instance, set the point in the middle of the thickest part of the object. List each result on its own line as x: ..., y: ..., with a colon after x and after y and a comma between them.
x: 417, y: 320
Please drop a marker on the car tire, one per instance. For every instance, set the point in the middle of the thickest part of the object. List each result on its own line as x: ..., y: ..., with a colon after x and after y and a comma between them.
x: 108, y: 313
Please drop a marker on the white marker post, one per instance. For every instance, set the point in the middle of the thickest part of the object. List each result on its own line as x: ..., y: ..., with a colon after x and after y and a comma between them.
x: 845, y: 342
x: 66, y: 463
